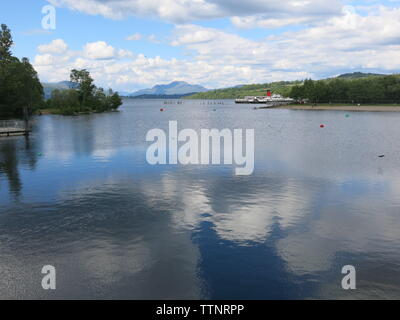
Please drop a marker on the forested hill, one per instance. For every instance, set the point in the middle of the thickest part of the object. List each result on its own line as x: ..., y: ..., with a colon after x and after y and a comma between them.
x: 359, y: 75
x: 366, y: 90
x: 284, y: 87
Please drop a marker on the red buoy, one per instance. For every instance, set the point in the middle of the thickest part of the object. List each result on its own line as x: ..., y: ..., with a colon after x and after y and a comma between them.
x: 161, y: 109
x: 322, y: 126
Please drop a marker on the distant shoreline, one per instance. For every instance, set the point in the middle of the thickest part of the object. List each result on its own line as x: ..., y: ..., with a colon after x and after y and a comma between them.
x: 361, y: 108
x: 365, y: 108
x: 48, y: 111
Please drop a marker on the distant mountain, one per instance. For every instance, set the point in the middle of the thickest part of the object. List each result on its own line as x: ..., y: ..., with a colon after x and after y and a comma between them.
x: 359, y: 75
x: 162, y: 96
x: 123, y: 93
x: 63, y: 85
x: 174, y: 88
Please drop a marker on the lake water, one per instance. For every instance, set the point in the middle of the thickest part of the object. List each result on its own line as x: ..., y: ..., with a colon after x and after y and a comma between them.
x: 79, y: 195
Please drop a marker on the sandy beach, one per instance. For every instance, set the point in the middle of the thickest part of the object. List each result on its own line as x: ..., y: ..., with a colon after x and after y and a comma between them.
x: 344, y: 108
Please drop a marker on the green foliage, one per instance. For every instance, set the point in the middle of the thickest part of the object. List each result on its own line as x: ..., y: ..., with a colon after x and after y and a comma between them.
x: 66, y: 101
x: 282, y: 88
x: 6, y: 42
x: 19, y: 84
x: 358, y: 75
x: 366, y: 90
x: 348, y: 88
x: 85, y: 83
x: 20, y: 88
x: 87, y: 98
x: 115, y: 101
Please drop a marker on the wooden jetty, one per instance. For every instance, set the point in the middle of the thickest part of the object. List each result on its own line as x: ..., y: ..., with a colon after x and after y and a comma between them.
x: 13, y: 132
x: 12, y: 128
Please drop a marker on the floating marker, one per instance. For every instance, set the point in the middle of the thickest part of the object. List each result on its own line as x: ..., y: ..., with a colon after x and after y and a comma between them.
x: 162, y: 109
x: 347, y: 116
x: 322, y: 126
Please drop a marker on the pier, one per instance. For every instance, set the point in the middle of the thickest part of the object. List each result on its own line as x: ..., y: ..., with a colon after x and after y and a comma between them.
x: 12, y: 128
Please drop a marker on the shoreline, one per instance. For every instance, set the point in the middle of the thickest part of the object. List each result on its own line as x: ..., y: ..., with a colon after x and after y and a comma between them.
x: 365, y: 108
x: 343, y: 108
x: 45, y: 112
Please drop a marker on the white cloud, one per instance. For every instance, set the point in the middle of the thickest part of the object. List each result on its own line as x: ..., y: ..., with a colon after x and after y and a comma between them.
x: 183, y: 11
x: 57, y: 46
x: 259, y: 21
x: 153, y: 38
x: 122, y: 53
x: 99, y: 50
x: 351, y: 41
x: 44, y: 60
x: 217, y: 58
x: 134, y: 37
x: 290, y: 13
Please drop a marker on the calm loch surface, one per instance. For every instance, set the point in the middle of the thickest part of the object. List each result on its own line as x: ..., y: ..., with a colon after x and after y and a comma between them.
x: 79, y: 195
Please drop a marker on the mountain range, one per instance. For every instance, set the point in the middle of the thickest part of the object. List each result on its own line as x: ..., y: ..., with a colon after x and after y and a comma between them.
x: 176, y: 88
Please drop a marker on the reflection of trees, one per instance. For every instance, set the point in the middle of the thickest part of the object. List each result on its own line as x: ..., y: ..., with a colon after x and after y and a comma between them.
x: 13, y: 152
x: 82, y: 136
x: 8, y: 165
x: 69, y: 135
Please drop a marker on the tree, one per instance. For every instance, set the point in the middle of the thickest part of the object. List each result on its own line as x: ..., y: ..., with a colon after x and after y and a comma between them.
x: 20, y: 88
x: 5, y: 43
x: 116, y: 101
x: 338, y: 91
x: 297, y: 92
x: 85, y: 83
x: 32, y: 89
x: 321, y: 91
x: 65, y: 101
x: 310, y: 90
x: 86, y: 98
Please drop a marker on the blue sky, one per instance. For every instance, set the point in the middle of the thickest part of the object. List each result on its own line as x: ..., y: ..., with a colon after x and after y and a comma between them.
x: 216, y: 43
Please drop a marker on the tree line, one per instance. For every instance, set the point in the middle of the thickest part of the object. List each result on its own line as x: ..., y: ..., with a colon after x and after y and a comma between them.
x: 85, y: 98
x: 282, y: 87
x: 375, y: 89
x: 21, y: 93
x: 20, y: 88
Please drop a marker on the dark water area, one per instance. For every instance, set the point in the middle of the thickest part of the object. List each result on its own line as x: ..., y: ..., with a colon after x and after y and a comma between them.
x: 80, y: 195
